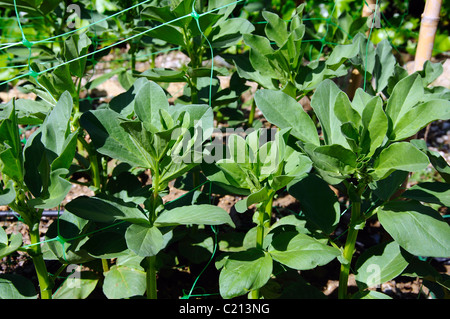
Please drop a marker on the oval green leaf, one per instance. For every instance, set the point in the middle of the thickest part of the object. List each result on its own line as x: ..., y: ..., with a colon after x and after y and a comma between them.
x: 244, y: 271
x: 300, y: 251
x: 417, y: 228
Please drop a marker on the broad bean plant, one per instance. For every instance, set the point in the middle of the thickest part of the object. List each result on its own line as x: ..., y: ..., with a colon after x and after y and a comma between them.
x: 346, y: 158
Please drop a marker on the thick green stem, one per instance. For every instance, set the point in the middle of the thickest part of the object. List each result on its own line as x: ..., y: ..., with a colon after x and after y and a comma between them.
x: 194, y: 91
x: 151, y: 278
x: 39, y: 263
x: 254, y: 294
x: 151, y: 260
x: 260, y: 228
x: 349, y: 250
x: 93, y: 159
x: 251, y: 116
x: 105, y: 265
x: 264, y: 215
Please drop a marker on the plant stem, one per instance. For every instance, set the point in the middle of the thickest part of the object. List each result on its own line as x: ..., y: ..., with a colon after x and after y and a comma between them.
x: 264, y: 215
x: 260, y: 227
x: 349, y: 249
x: 39, y: 263
x: 151, y: 278
x: 251, y: 116
x: 265, y: 212
x: 254, y: 294
x: 151, y: 260
x: 105, y: 265
x: 95, y: 170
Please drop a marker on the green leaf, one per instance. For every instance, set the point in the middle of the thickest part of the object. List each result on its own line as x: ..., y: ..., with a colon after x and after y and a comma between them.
x: 36, y: 168
x: 254, y: 198
x: 31, y: 112
x: 375, y: 126
x: 166, y: 33
x: 334, y: 159
x: 401, y: 156
x: 384, y: 64
x: 351, y: 133
x: 67, y: 154
x: 149, y: 147
x: 344, y: 110
x: 124, y: 282
x: 244, y: 271
x: 103, y: 78
x: 379, y: 264
x: 15, y: 242
x: 105, y: 211
x: 360, y: 100
x: 56, y: 127
x: 323, y: 102
x: 74, y: 47
x: 319, y: 203
x: 300, y: 251
x: 220, y: 181
x: 164, y: 75
x: 16, y: 287
x: 229, y: 32
x: 56, y: 190
x: 56, y: 82
x: 430, y: 72
x: 201, y: 116
x: 103, y: 126
x: 75, y: 230
x: 418, y: 117
x: 430, y: 192
x: 342, y: 52
x: 290, y: 115
x: 148, y: 101
x: 240, y: 152
x: 386, y: 187
x: 10, y: 146
x: 124, y: 102
x: 417, y: 228
x: 144, y: 240
x: 276, y: 28
x: 106, y: 245
x: 161, y: 14
x: 8, y: 194
x: 78, y: 285
x: 405, y: 95
x: 436, y: 159
x: 247, y: 70
x: 3, y: 237
x: 202, y: 214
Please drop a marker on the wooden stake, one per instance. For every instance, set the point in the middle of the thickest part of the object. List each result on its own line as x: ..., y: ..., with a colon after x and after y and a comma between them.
x: 428, y: 27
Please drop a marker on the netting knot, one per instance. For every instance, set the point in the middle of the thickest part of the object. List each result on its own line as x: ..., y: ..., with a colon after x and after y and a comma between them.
x: 194, y: 14
x: 33, y: 73
x: 27, y: 43
x: 61, y: 239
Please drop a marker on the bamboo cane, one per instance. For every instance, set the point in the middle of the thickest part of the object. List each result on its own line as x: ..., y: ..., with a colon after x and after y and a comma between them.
x: 428, y: 27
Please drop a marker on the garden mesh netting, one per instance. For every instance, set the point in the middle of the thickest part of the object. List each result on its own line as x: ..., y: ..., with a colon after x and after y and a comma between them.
x: 99, y: 54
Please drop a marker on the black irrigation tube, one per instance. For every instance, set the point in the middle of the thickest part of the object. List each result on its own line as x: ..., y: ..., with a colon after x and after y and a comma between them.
x: 45, y: 213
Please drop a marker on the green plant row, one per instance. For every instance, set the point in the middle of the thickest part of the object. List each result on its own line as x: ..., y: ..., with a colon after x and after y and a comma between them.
x: 126, y: 235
